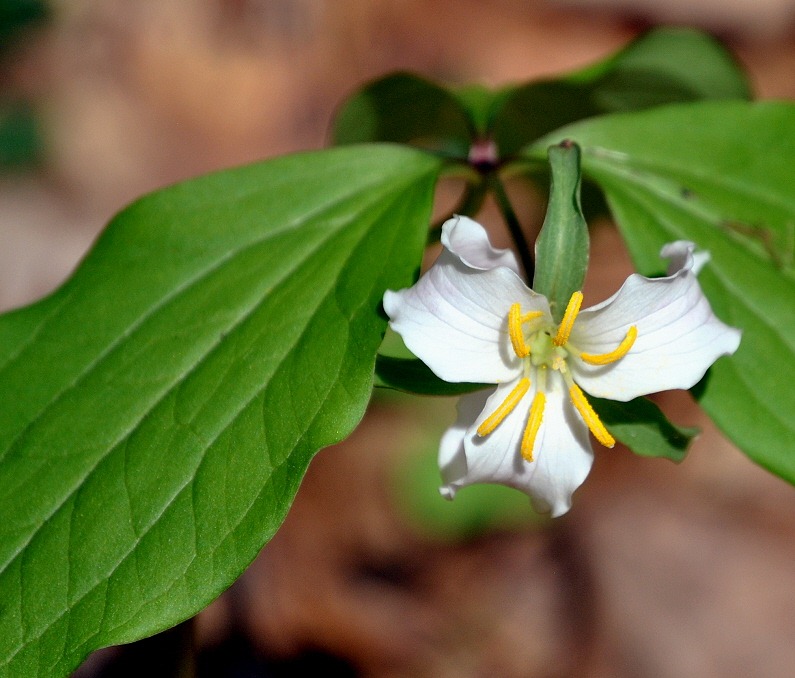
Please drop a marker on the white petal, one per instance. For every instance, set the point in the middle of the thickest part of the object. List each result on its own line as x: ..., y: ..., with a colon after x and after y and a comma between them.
x: 679, y: 336
x: 455, y: 319
x: 452, y: 457
x: 468, y: 240
x: 682, y: 256
x: 562, y: 455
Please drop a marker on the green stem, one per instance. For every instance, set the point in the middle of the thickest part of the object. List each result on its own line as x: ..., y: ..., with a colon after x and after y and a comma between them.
x: 514, y: 227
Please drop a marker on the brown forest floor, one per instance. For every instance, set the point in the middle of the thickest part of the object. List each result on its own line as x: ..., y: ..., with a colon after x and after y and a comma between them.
x: 658, y: 571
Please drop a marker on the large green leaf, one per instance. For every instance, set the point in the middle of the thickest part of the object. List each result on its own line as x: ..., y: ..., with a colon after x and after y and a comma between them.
x: 664, y: 66
x: 159, y: 410
x: 721, y: 175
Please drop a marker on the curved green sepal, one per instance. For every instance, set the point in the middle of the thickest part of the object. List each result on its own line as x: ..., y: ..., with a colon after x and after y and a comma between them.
x: 643, y: 428
x: 411, y: 375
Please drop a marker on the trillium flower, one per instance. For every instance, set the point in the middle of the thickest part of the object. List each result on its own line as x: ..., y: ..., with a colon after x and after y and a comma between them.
x: 471, y: 318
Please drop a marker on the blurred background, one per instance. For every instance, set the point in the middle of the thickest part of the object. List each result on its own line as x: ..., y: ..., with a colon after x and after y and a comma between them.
x: 658, y: 571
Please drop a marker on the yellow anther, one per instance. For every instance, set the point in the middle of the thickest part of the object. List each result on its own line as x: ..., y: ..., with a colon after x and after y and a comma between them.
x: 533, y: 424
x: 616, y: 354
x: 507, y: 406
x: 564, y: 329
x: 515, y: 331
x: 595, y: 424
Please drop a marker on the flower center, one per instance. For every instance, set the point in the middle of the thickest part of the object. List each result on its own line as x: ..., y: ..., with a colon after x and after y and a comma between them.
x: 545, y: 349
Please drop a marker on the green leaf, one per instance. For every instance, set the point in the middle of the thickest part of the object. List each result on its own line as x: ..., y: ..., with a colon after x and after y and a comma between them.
x: 562, y: 244
x: 666, y: 65
x: 643, y: 428
x: 411, y: 375
x: 159, y: 410
x: 719, y: 174
x: 406, y: 109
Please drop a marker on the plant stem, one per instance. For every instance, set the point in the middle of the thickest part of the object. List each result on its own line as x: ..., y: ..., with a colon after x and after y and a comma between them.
x: 514, y: 227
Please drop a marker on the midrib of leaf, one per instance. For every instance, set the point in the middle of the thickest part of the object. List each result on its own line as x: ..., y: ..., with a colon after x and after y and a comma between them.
x: 384, y: 206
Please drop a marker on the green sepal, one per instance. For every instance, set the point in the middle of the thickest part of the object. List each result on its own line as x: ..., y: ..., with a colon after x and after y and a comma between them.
x: 643, y: 428
x: 411, y: 375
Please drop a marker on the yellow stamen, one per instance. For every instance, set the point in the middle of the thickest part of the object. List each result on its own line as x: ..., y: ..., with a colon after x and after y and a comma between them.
x: 572, y: 309
x: 616, y: 354
x: 507, y: 406
x: 595, y: 425
x: 515, y: 331
x: 533, y: 424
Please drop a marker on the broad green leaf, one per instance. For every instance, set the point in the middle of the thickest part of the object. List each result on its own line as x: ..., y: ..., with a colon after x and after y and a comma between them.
x: 411, y: 375
x: 721, y: 175
x: 159, y: 410
x: 562, y: 244
x: 406, y: 109
x: 664, y: 66
x: 643, y: 428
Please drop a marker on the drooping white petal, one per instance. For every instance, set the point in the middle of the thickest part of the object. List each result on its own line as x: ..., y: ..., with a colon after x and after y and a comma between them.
x: 468, y: 240
x: 455, y: 319
x: 452, y: 457
x: 679, y: 336
x: 563, y: 455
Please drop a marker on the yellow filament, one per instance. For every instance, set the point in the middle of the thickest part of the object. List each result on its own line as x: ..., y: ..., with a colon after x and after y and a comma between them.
x: 616, y: 354
x: 572, y: 309
x: 507, y: 406
x: 533, y: 424
x: 595, y: 425
x: 515, y: 331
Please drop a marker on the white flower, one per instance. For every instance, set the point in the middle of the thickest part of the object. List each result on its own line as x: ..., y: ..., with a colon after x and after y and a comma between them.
x: 470, y: 318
